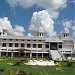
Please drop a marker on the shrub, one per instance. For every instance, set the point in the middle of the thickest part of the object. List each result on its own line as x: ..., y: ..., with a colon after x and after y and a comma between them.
x: 2, y: 69
x: 69, y: 64
x: 21, y: 72
x: 18, y: 63
x: 10, y: 71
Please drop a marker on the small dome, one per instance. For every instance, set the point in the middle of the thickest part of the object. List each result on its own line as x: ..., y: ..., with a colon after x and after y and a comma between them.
x: 66, y: 30
x: 41, y: 29
x: 1, y: 29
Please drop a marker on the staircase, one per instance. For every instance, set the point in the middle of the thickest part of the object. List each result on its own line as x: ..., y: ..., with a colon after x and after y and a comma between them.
x: 63, y: 57
x: 55, y: 55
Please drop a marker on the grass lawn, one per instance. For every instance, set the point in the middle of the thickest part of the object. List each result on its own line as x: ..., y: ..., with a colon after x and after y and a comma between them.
x: 36, y: 70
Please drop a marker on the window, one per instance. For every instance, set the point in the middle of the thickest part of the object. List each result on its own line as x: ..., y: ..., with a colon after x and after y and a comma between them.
x: 60, y: 42
x: 64, y: 35
x: 39, y: 45
x: 16, y: 44
x: 34, y: 45
x: 10, y: 44
x: 16, y: 39
x: 10, y: 39
x: 22, y: 45
x: 22, y: 40
x: 28, y: 45
x: 28, y: 40
x: 4, y: 39
x: 34, y: 40
x: 60, y: 46
x: 4, y: 45
x: 47, y: 45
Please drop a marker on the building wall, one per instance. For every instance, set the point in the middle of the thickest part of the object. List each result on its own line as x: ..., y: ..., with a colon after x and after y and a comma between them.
x: 67, y: 47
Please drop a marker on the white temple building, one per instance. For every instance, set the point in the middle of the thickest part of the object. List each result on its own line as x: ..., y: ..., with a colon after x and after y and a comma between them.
x: 40, y: 46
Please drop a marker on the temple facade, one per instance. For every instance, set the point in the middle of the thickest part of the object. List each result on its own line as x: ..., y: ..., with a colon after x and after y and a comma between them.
x: 55, y: 48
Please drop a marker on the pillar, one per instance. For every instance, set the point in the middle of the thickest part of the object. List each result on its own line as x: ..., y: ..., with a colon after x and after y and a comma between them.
x: 24, y: 54
x: 19, y: 53
x: 7, y: 54
x: 12, y: 54
x: 0, y: 53
x: 42, y: 55
x: 30, y: 55
x: 36, y: 55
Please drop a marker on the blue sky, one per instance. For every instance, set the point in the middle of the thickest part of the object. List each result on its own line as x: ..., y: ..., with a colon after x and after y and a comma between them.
x: 22, y: 15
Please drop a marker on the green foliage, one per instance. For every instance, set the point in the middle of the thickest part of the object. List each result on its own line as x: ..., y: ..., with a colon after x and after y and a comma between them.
x: 69, y: 64
x: 10, y: 71
x: 21, y: 72
x: 58, y: 66
x: 18, y: 63
x: 35, y: 70
x: 2, y: 69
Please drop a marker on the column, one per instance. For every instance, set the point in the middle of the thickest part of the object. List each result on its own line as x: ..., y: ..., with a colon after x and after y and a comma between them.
x: 49, y: 51
x: 30, y: 54
x: 36, y: 55
x: 7, y: 54
x: 12, y: 54
x: 42, y: 55
x: 19, y: 53
x: 57, y: 46
x: 7, y: 45
x: 0, y: 53
x: 24, y: 54
x: 0, y: 49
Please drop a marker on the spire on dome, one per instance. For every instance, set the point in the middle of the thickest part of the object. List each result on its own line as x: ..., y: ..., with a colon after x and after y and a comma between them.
x: 66, y: 30
x: 41, y: 31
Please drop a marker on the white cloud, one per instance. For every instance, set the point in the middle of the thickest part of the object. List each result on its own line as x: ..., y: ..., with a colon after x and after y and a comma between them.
x: 19, y: 29
x: 53, y: 14
x: 45, y: 17
x: 52, y: 4
x: 73, y: 28
x: 72, y: 1
x: 6, y: 24
x: 42, y: 18
x: 67, y: 23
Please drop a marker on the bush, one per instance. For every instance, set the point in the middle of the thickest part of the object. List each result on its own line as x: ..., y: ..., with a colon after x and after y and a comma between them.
x: 69, y: 64
x: 2, y: 69
x: 21, y: 72
x: 18, y: 63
